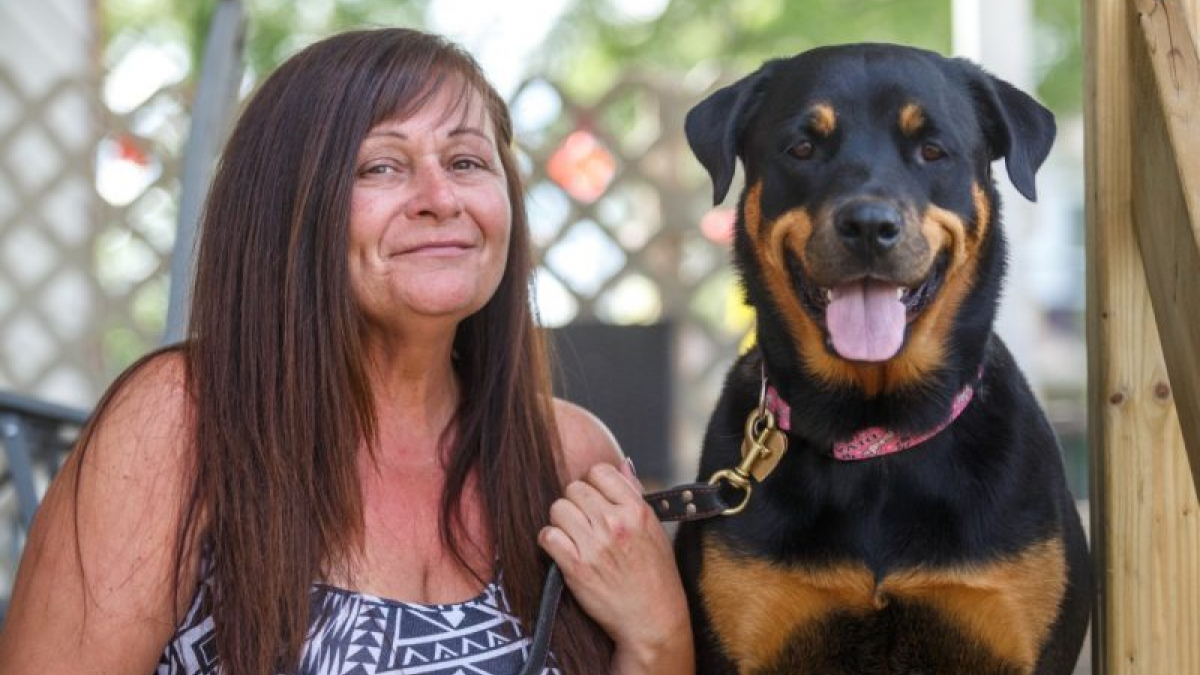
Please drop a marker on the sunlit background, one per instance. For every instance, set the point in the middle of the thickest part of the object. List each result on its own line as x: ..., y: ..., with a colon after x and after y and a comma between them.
x: 96, y: 98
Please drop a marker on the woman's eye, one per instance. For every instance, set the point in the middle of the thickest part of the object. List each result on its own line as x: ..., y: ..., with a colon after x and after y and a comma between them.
x: 802, y: 150
x: 466, y: 164
x: 378, y: 170
x: 931, y: 152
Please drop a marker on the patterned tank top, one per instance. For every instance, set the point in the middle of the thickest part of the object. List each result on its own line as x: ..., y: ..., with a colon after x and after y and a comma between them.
x: 360, y: 634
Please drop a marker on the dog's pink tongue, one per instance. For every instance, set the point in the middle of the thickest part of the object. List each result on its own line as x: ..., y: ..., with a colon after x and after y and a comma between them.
x: 866, y: 321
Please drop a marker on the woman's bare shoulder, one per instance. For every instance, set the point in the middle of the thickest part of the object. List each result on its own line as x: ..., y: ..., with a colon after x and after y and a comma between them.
x: 95, y: 589
x: 585, y: 440
x: 146, y: 428
x: 155, y: 394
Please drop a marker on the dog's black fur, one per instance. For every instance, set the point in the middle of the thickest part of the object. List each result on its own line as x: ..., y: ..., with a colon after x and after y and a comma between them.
x: 965, y: 553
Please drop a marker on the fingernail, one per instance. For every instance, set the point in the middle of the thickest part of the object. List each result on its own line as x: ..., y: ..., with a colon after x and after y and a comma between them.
x: 629, y: 463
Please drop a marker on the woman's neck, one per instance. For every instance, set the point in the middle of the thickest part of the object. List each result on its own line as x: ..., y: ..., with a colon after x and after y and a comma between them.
x: 416, y: 394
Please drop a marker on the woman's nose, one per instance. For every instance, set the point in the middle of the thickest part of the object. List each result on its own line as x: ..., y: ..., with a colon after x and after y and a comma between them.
x: 433, y: 195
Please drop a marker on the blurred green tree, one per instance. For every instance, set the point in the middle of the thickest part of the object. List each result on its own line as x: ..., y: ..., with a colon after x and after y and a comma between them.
x: 597, y: 39
x: 595, y: 42
x: 1059, y: 58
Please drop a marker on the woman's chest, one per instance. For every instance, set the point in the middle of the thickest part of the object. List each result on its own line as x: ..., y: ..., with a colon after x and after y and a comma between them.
x: 406, y: 556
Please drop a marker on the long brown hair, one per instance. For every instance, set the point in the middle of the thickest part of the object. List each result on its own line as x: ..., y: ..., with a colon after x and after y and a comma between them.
x: 276, y: 366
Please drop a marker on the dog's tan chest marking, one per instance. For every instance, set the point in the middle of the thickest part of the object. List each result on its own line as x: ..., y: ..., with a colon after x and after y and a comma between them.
x: 757, y: 608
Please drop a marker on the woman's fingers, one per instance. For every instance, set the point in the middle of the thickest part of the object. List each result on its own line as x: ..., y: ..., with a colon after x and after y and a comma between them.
x: 560, y: 547
x: 589, y: 499
x: 619, y: 486
x: 566, y: 515
x: 604, y: 525
x: 616, y: 557
x: 630, y: 474
x: 591, y: 522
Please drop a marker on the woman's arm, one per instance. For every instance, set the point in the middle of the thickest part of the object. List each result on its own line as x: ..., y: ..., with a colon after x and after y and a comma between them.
x: 94, y: 591
x: 615, y: 555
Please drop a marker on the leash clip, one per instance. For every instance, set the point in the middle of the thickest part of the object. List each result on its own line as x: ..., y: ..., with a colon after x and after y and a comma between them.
x: 762, y: 447
x: 738, y: 480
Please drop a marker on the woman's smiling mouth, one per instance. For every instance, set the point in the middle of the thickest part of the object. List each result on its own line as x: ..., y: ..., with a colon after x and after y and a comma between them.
x: 437, y: 249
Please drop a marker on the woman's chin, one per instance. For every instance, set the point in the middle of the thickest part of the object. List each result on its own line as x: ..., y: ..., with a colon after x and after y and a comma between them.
x: 450, y: 304
x: 445, y: 297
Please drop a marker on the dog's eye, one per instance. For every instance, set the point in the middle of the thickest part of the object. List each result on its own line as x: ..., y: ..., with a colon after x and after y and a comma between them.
x: 802, y: 150
x: 931, y: 152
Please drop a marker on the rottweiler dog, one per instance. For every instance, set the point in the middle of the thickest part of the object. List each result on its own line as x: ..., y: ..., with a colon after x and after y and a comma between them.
x: 919, y: 520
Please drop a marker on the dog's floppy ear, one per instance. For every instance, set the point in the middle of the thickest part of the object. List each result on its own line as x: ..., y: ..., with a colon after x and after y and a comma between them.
x: 714, y: 127
x: 1017, y: 128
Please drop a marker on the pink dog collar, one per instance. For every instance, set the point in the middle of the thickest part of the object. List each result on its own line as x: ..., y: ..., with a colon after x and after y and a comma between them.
x: 874, y: 441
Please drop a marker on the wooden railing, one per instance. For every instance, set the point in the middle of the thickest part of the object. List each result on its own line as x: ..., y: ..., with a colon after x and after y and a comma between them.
x: 1143, y: 202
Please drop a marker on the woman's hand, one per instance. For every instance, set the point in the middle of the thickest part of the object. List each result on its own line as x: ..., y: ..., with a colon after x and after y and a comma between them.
x: 617, y: 560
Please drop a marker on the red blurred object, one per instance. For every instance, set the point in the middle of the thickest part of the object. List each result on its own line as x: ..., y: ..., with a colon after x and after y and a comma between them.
x: 582, y: 166
x: 128, y: 150
x: 717, y: 225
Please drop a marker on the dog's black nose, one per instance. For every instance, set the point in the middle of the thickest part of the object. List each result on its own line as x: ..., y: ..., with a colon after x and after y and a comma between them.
x: 869, y: 227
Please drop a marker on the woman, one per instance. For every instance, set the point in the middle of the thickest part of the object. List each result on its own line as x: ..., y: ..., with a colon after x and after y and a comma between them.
x: 349, y: 461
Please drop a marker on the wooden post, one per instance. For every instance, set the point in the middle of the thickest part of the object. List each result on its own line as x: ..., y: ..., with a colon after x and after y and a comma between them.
x: 1145, y: 520
x: 1166, y: 192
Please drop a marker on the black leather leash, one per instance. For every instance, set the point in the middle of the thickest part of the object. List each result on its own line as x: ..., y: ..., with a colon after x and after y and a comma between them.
x: 690, y: 501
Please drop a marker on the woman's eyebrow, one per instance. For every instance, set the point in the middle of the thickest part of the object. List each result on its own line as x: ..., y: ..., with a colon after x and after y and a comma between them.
x: 377, y: 133
x: 457, y: 131
x: 472, y: 131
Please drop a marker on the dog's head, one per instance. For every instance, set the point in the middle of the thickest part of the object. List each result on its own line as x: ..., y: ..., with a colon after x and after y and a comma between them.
x: 869, y: 218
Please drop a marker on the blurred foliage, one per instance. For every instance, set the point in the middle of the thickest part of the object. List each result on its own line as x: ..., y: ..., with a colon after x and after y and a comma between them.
x: 597, y: 39
x: 595, y: 43
x: 1059, y: 45
x: 275, y: 28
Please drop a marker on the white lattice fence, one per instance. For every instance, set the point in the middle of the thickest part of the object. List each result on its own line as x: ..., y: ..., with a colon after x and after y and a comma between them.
x: 616, y: 203
x: 87, y: 211
x: 48, y: 298
x: 86, y: 200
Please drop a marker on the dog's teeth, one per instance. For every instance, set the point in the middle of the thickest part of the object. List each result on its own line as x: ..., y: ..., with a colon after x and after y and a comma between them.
x: 829, y: 295
x: 900, y: 291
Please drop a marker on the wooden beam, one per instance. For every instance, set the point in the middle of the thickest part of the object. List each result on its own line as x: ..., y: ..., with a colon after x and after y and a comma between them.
x: 1145, y: 530
x: 1166, y: 205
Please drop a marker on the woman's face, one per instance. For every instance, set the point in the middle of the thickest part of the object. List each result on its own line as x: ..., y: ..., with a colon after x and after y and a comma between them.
x: 429, y: 216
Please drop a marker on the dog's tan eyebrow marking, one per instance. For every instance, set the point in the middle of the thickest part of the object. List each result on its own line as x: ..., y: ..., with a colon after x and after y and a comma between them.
x: 822, y: 119
x: 912, y: 119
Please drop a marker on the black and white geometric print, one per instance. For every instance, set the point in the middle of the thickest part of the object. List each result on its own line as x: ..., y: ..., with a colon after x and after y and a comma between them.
x: 360, y: 634
x: 192, y: 650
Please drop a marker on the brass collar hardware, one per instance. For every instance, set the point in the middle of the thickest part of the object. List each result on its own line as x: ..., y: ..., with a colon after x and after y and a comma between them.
x: 763, y: 445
